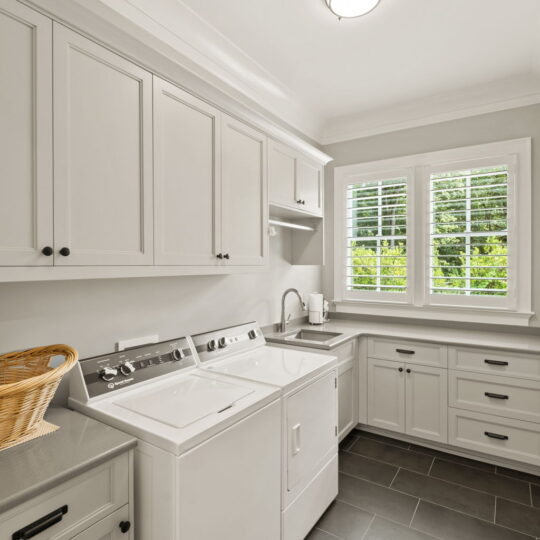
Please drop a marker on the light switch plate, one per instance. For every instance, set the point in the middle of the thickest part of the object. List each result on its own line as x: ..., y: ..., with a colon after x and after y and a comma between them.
x: 136, y: 342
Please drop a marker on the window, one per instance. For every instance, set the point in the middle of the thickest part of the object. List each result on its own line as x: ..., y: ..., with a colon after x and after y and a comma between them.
x: 439, y: 233
x: 376, y: 236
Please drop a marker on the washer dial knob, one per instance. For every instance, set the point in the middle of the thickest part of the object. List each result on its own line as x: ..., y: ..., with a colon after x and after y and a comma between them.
x: 212, y: 345
x: 127, y: 368
x: 178, y: 354
x: 222, y: 342
x: 108, y: 373
x: 252, y: 334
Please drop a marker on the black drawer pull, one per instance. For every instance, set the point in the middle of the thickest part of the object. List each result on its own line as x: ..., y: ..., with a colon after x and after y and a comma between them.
x: 404, y: 351
x: 496, y: 436
x: 41, y: 524
x: 495, y: 362
x: 496, y: 396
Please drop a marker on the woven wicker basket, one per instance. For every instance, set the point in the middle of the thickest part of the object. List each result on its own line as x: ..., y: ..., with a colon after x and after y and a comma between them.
x: 27, y: 385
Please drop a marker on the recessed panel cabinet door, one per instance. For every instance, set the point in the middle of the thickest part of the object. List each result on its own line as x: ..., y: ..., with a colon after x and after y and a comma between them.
x: 244, y: 194
x: 102, y: 155
x: 386, y: 394
x: 186, y: 181
x: 309, y: 188
x: 426, y: 391
x: 26, y: 195
x: 281, y: 174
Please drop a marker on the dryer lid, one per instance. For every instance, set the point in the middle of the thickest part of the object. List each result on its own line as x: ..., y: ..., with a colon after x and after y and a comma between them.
x: 186, y: 401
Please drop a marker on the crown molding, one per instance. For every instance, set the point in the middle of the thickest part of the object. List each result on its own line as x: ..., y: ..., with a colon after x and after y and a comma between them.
x: 483, y: 99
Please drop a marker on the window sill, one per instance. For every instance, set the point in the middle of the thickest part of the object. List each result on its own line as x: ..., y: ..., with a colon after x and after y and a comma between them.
x: 452, y: 314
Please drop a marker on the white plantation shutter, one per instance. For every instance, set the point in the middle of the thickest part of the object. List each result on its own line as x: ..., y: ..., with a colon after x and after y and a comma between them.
x: 376, y: 237
x: 468, y: 232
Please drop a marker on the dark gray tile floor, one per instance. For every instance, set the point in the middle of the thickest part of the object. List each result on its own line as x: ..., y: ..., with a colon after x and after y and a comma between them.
x: 393, y: 490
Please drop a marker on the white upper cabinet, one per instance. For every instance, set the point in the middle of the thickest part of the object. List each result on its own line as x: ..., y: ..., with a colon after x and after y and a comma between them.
x: 244, y: 212
x: 26, y: 193
x: 309, y: 186
x: 281, y: 174
x: 187, y: 178
x: 295, y: 182
x: 102, y: 155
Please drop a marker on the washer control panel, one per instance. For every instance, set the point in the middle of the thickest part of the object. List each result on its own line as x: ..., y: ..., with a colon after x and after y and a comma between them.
x: 110, y: 372
x: 235, y: 339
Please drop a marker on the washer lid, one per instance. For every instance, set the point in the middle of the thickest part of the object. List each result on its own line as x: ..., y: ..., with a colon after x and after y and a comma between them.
x: 186, y: 401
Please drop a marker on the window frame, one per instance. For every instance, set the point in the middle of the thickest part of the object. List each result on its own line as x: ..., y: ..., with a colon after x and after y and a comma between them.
x: 515, y: 308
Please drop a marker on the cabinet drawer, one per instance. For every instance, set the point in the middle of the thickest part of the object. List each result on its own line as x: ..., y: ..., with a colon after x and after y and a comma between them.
x: 502, y: 437
x: 502, y: 396
x: 89, y: 497
x: 495, y: 362
x: 417, y: 352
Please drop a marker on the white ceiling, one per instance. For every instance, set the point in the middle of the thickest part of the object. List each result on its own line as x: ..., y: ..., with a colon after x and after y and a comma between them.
x: 407, y: 63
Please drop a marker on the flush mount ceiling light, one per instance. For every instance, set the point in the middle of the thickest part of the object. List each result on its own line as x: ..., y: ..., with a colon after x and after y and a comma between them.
x: 348, y: 9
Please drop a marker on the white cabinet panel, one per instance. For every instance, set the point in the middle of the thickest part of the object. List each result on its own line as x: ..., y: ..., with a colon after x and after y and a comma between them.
x: 110, y: 528
x: 346, y: 397
x: 309, y: 187
x: 26, y: 195
x: 386, y: 394
x: 311, y: 429
x: 426, y: 402
x: 244, y: 194
x: 187, y: 178
x: 417, y: 352
x: 103, y: 155
x: 281, y: 174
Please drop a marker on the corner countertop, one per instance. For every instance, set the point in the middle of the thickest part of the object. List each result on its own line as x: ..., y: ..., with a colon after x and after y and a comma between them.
x: 351, y: 329
x: 38, y: 465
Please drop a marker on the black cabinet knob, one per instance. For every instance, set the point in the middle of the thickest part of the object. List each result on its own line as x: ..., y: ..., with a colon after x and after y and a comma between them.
x: 219, y: 255
x: 303, y: 202
x: 400, y: 369
x: 125, y: 526
x: 299, y: 201
x: 64, y: 252
x: 226, y: 256
x: 408, y: 370
x: 47, y: 251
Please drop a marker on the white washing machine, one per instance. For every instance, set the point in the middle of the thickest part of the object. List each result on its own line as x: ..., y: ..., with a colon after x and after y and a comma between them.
x: 208, y: 459
x: 308, y: 386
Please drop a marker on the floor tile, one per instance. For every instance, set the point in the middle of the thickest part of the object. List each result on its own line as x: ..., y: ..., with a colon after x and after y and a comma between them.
x: 454, y: 459
x: 450, y: 525
x: 502, y: 486
x: 535, y: 492
x: 393, y: 455
x: 526, y: 477
x: 348, y: 441
x: 345, y: 521
x: 446, y: 494
x: 368, y: 469
x: 519, y: 517
x: 317, y: 534
x: 382, y: 529
x: 376, y: 499
x: 382, y: 438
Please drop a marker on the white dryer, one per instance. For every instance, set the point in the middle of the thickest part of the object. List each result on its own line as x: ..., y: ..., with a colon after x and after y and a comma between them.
x: 208, y: 458
x: 308, y: 386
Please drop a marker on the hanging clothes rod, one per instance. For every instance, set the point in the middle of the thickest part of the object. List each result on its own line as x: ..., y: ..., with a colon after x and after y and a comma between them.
x: 289, y: 225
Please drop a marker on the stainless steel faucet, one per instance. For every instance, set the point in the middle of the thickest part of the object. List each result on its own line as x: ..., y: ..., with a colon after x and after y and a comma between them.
x: 283, y: 324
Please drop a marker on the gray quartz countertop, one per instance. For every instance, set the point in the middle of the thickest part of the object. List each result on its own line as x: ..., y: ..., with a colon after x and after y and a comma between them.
x: 81, y: 443
x: 351, y: 329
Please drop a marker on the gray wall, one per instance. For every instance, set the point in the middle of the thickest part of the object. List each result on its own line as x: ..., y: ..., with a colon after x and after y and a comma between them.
x: 91, y: 315
x: 509, y: 124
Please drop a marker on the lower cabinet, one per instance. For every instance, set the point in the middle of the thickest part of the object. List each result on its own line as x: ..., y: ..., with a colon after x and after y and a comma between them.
x: 347, y: 386
x: 113, y: 527
x: 408, y: 398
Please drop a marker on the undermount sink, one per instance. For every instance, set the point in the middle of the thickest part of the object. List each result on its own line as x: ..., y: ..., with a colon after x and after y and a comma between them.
x: 311, y: 335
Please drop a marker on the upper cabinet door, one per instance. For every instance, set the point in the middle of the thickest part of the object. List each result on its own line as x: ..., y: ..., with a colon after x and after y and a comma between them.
x: 244, y: 194
x: 281, y: 174
x: 187, y: 178
x: 102, y: 155
x: 26, y: 195
x: 309, y: 186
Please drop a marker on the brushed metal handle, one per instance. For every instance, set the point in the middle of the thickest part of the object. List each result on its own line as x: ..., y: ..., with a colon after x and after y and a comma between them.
x: 496, y: 396
x: 496, y: 436
x: 404, y: 351
x: 495, y: 362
